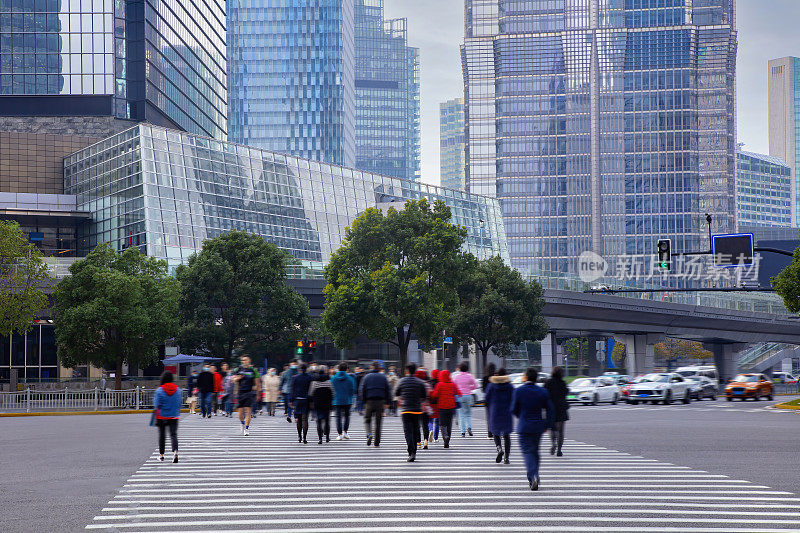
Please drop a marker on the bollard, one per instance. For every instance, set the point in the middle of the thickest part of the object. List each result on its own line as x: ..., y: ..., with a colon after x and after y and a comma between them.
x: 66, y: 395
x: 28, y: 400
x: 96, y: 399
x: 137, y: 397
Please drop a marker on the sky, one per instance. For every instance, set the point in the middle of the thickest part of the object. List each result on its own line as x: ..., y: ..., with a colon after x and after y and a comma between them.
x: 767, y: 29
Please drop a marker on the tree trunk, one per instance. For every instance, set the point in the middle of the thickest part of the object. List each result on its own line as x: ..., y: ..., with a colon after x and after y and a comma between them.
x: 118, y: 375
x: 403, y: 340
x: 483, y: 360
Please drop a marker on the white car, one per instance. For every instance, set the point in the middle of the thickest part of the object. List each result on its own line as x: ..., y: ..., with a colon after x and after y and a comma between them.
x: 516, y: 379
x: 664, y: 387
x: 591, y: 391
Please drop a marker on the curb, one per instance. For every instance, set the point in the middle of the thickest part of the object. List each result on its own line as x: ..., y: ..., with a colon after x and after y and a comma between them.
x: 787, y: 407
x: 75, y: 413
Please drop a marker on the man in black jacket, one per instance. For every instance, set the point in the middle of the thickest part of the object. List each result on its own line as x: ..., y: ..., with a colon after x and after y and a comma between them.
x: 375, y: 394
x: 205, y: 388
x: 301, y: 402
x: 411, y: 391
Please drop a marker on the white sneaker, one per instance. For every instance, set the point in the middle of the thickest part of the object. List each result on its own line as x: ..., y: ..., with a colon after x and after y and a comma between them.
x: 242, y: 429
x: 346, y: 436
x: 339, y: 437
x: 246, y: 432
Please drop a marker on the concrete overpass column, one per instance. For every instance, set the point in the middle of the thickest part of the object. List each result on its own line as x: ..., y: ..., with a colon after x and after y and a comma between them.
x: 641, y: 353
x: 595, y: 366
x: 726, y: 357
x: 549, y: 352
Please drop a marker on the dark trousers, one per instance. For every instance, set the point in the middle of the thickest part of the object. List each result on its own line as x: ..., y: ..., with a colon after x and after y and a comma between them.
x: 374, y: 410
x: 286, y: 405
x: 162, y: 426
x: 323, y: 424
x: 433, y: 425
x: 302, y: 426
x: 206, y: 399
x: 423, y: 425
x: 529, y: 446
x: 557, y: 435
x: 446, y: 423
x: 506, y: 444
x: 411, y: 431
x: 342, y: 418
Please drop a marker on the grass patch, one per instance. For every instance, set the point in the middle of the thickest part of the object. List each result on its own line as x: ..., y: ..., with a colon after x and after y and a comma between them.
x: 792, y: 403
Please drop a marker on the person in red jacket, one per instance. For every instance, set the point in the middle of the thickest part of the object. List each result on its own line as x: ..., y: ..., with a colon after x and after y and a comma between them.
x: 217, y: 388
x: 445, y: 395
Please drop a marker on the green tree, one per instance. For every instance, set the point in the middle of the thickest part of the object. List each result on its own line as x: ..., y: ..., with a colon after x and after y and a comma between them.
x: 498, y: 309
x: 114, y: 309
x: 234, y: 296
x: 787, y: 284
x: 619, y: 354
x: 23, y: 273
x: 395, y: 276
x: 681, y: 349
x: 578, y: 350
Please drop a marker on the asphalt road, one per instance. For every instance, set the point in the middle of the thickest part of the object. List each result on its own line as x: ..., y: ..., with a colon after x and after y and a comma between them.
x: 59, y: 472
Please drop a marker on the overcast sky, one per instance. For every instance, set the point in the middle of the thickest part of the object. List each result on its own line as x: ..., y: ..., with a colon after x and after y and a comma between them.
x: 767, y: 29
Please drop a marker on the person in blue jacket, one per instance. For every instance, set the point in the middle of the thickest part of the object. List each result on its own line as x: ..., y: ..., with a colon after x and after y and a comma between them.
x: 527, y: 404
x: 344, y: 388
x: 167, y: 411
x: 499, y: 394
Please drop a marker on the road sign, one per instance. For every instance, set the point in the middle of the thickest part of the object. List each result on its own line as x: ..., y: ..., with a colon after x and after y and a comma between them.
x: 448, y: 340
x: 732, y: 250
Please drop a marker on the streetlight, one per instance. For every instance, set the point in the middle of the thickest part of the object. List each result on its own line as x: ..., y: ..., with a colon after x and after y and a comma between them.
x: 482, y: 224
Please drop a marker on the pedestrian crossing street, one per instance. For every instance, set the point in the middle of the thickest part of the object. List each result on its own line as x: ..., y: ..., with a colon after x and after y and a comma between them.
x: 269, y: 482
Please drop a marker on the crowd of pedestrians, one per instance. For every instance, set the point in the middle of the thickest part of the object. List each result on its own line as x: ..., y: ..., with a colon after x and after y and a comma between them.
x: 427, y: 403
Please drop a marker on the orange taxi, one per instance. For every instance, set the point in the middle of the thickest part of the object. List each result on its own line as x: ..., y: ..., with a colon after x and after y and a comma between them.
x: 745, y: 386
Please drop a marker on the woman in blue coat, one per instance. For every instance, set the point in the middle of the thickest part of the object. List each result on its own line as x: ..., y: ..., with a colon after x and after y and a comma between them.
x: 166, y: 413
x: 527, y: 405
x: 498, y: 397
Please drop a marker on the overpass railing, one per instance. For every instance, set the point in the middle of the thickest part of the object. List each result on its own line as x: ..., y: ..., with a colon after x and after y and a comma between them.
x: 769, y: 303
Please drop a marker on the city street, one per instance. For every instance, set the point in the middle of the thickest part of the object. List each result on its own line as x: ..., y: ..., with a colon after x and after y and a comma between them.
x: 708, y: 466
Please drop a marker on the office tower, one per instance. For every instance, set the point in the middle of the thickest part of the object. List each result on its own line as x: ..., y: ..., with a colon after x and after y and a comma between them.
x: 601, y: 126
x: 75, y: 71
x: 763, y: 191
x: 387, y: 94
x: 784, y: 121
x: 291, y: 71
x: 452, y: 144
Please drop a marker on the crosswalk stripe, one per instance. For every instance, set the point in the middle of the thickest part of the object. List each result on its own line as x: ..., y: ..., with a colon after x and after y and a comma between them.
x: 344, y: 486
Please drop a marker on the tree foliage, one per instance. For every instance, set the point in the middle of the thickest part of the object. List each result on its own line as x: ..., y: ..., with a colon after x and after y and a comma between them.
x: 498, y: 309
x: 23, y: 273
x: 396, y: 275
x: 234, y: 296
x: 787, y: 284
x: 681, y: 349
x: 577, y: 349
x: 114, y: 309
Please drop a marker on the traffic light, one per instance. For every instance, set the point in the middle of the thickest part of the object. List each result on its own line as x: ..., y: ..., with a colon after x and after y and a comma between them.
x: 299, y: 350
x: 664, y: 255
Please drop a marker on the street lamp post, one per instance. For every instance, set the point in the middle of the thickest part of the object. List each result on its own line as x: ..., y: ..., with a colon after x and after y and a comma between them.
x: 482, y: 224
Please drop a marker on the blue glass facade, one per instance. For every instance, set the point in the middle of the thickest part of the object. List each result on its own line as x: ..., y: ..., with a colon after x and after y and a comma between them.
x: 452, y: 144
x: 601, y: 126
x: 763, y: 191
x: 162, y: 61
x: 165, y: 192
x: 387, y: 94
x: 291, y: 72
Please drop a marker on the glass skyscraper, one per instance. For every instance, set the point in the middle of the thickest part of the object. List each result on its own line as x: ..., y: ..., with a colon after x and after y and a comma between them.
x: 291, y: 71
x: 601, y: 125
x: 161, y: 62
x: 166, y: 191
x: 387, y: 94
x: 452, y: 144
x: 763, y: 191
x: 784, y: 121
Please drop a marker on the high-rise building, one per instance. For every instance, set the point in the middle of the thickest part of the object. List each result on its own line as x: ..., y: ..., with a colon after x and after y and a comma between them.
x: 601, y: 126
x: 784, y: 121
x: 763, y: 191
x: 73, y: 72
x: 331, y: 81
x: 291, y: 68
x: 387, y: 94
x: 452, y: 144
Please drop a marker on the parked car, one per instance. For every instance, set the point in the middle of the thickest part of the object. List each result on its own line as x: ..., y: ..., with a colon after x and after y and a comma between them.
x: 783, y: 377
x: 662, y: 387
x: 703, y: 387
x: 745, y: 386
x: 591, y: 391
x: 625, y: 390
x: 516, y: 379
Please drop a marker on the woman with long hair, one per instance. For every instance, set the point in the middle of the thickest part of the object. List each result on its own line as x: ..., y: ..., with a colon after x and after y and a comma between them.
x: 558, y: 390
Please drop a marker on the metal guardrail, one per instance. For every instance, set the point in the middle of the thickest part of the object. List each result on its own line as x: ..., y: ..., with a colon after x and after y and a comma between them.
x: 32, y: 400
